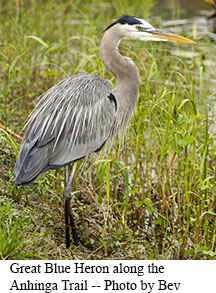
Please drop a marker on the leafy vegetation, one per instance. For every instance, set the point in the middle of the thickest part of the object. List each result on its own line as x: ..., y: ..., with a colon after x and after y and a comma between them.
x: 149, y: 194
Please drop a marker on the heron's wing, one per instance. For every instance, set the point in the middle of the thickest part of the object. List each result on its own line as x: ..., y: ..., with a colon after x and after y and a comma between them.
x: 72, y: 119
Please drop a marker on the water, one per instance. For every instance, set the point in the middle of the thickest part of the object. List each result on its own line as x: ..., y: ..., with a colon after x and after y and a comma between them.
x: 190, y: 18
x: 181, y: 8
x: 185, y: 16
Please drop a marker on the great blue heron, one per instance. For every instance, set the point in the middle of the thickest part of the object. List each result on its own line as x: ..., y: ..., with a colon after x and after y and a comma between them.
x: 78, y: 115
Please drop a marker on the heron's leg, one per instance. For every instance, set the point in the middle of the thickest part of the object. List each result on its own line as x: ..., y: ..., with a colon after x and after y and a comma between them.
x: 68, y: 214
x: 66, y: 209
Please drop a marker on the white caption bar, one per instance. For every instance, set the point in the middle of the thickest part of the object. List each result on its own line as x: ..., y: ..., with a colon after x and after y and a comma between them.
x: 106, y: 275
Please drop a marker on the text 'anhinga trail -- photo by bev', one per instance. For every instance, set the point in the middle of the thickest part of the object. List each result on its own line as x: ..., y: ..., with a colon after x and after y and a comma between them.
x: 78, y: 115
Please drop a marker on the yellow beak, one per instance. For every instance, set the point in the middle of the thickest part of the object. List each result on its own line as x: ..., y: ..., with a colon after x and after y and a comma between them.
x: 169, y: 36
x: 209, y: 1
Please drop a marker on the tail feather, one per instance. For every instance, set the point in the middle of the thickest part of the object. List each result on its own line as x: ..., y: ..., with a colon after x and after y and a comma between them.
x: 30, y: 162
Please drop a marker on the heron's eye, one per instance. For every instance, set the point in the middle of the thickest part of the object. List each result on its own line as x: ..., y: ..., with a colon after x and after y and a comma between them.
x: 138, y: 27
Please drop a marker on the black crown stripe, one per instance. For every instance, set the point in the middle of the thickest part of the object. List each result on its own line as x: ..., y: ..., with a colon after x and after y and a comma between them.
x: 125, y: 19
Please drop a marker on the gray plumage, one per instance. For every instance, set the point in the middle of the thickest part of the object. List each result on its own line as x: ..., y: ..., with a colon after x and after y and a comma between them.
x: 77, y: 116
x: 72, y: 119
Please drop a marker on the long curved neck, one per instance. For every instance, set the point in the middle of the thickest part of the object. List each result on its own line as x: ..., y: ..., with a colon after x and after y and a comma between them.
x: 125, y: 71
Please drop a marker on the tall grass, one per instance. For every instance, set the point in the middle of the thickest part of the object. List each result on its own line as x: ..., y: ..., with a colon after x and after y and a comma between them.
x: 150, y: 193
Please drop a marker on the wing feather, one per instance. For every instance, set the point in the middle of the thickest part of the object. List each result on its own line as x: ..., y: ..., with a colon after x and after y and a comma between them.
x: 71, y: 120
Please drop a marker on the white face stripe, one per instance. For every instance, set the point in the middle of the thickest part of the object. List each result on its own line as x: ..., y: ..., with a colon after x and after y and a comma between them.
x: 130, y: 32
x: 144, y: 23
x: 132, y: 27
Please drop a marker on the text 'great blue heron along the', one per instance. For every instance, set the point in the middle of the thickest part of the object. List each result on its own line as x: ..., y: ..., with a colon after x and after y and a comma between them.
x: 78, y: 115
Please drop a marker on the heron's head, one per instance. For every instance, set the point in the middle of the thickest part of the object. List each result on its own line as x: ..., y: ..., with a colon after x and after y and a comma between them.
x: 131, y: 27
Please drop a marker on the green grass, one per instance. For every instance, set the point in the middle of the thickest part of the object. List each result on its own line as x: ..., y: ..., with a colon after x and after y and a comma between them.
x: 150, y: 194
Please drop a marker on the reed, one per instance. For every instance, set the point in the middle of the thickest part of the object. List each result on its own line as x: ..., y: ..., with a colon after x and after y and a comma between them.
x: 150, y: 193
